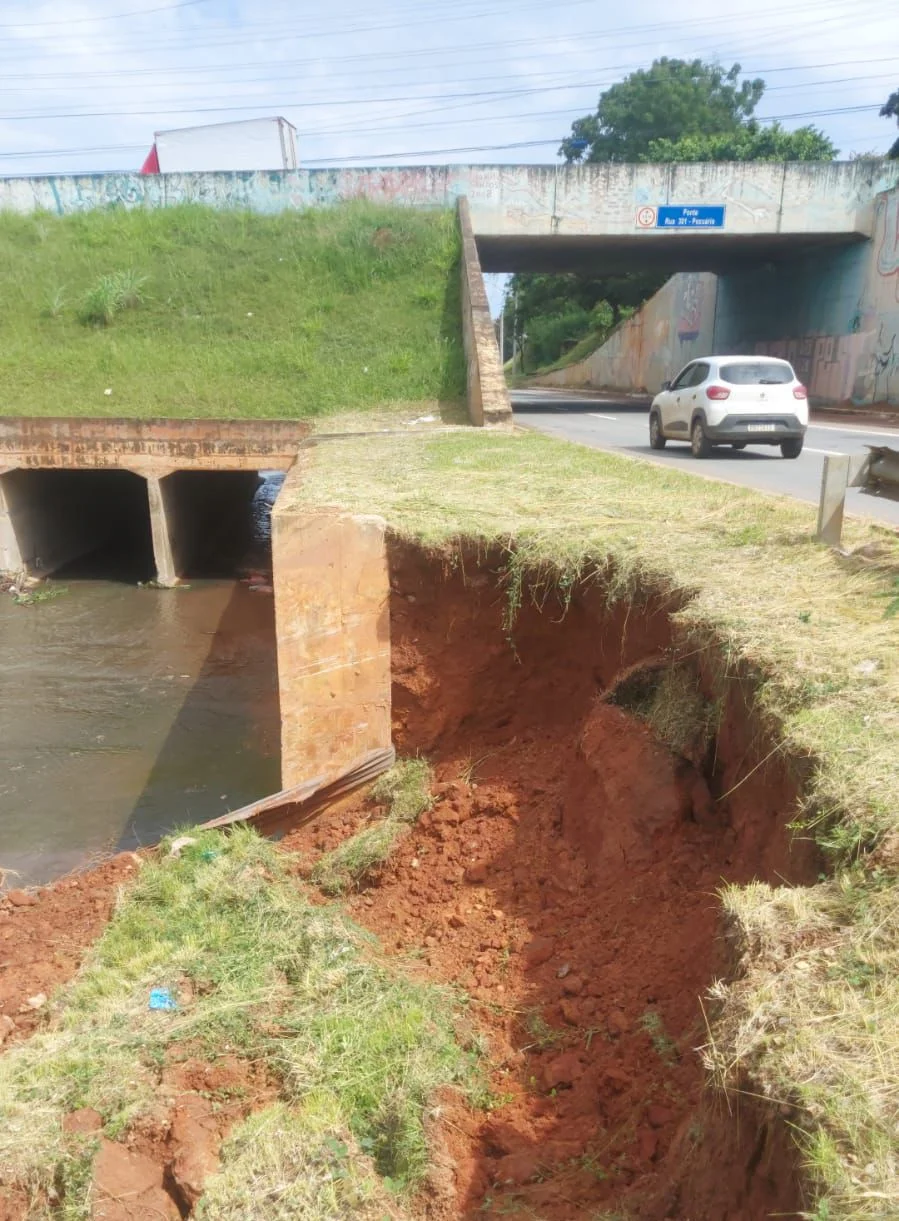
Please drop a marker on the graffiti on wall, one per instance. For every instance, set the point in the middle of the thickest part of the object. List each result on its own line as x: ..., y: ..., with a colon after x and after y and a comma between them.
x: 887, y: 231
x: 689, y: 319
x: 834, y: 367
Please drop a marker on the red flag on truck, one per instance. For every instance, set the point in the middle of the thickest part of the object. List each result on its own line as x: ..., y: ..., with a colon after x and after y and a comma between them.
x: 151, y: 165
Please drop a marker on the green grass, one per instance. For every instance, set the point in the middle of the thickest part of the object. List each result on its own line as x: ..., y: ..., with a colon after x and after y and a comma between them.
x: 356, y: 1049
x: 813, y: 1019
x: 405, y: 790
x: 189, y: 311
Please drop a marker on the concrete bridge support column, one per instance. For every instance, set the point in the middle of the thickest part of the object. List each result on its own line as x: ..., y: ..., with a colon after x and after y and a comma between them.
x: 332, y: 617
x: 166, y: 573
x: 10, y: 551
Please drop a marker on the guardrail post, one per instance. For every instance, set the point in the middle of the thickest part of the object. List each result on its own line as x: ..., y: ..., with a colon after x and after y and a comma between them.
x: 834, y: 481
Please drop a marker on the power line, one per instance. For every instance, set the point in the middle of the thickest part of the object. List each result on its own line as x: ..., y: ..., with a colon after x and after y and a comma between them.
x: 543, y: 43
x: 191, y: 108
x: 143, y: 12
x: 242, y: 36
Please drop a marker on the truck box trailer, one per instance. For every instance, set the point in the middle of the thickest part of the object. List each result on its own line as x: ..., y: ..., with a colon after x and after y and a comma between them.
x: 249, y: 144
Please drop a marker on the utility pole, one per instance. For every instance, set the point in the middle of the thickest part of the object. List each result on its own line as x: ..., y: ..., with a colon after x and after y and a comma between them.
x: 502, y: 335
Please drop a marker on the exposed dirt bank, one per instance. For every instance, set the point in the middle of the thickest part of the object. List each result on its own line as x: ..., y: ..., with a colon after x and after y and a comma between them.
x: 566, y: 878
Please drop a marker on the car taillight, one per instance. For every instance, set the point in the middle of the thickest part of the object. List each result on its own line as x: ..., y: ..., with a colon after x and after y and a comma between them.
x: 800, y: 392
x: 717, y: 392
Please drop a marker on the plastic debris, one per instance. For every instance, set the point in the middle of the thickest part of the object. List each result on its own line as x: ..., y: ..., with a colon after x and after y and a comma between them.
x: 162, y: 999
x: 179, y: 844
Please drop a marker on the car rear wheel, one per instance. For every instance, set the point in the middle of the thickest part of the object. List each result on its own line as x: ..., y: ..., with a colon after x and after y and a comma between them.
x: 656, y: 437
x: 792, y: 447
x: 699, y: 442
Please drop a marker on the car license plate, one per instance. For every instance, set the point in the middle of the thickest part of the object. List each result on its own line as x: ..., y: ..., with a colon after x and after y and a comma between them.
x: 761, y: 427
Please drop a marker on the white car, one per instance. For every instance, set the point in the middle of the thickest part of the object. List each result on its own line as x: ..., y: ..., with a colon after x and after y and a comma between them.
x: 731, y: 400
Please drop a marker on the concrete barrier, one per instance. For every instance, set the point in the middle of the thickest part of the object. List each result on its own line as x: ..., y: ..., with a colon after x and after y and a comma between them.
x: 332, y: 619
x: 488, y: 398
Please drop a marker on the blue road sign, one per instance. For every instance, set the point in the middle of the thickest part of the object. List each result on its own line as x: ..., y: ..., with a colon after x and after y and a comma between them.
x: 680, y: 217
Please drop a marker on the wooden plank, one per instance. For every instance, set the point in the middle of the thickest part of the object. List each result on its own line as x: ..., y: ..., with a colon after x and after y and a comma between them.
x: 293, y: 807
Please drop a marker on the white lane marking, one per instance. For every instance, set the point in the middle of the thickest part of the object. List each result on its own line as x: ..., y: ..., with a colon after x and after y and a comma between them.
x: 807, y: 449
x: 862, y: 432
x: 597, y: 416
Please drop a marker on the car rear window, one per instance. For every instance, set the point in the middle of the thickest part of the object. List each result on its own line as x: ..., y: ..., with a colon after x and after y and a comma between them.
x: 759, y: 373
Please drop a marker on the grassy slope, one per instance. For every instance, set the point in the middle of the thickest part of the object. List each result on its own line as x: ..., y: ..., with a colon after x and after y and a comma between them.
x: 249, y: 316
x: 822, y: 1025
x: 356, y: 1049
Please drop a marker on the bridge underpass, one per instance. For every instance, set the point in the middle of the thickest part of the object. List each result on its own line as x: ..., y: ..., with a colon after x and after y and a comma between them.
x: 796, y: 261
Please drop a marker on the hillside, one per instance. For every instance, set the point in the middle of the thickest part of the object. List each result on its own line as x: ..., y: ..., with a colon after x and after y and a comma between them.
x: 188, y: 311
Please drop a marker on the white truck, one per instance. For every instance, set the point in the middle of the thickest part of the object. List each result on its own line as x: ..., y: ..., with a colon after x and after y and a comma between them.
x: 249, y: 144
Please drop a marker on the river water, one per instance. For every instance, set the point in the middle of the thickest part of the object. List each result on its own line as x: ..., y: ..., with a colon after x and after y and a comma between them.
x: 126, y: 711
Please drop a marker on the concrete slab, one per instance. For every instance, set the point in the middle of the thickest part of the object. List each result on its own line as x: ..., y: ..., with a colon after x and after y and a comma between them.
x: 150, y: 446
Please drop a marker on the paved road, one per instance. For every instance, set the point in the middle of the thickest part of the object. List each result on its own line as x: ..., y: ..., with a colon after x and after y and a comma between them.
x: 622, y: 426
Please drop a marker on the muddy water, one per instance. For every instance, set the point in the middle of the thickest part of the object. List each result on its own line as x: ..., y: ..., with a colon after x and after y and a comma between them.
x: 126, y: 711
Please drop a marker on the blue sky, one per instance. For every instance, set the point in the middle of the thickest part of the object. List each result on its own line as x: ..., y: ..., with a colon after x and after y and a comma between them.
x: 86, y: 82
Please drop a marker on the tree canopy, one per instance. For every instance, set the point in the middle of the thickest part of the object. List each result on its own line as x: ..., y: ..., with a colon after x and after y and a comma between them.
x: 672, y: 99
x: 890, y: 110
x: 751, y: 142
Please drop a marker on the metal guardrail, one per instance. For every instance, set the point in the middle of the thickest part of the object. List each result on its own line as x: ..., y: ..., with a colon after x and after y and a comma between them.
x: 876, y: 472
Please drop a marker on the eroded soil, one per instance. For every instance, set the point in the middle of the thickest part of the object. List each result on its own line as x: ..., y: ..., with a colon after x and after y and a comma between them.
x: 566, y: 879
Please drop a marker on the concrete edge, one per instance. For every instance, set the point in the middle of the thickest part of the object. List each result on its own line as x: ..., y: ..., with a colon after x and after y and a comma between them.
x: 489, y: 404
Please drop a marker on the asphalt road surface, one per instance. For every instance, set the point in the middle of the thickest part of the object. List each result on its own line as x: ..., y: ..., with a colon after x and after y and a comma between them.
x: 622, y: 426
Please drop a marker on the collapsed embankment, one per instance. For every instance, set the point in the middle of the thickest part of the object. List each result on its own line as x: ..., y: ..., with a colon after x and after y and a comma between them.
x: 593, y: 791
x: 594, y: 785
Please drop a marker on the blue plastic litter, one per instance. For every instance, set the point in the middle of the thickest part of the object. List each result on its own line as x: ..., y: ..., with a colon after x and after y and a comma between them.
x: 161, y: 998
x: 209, y: 854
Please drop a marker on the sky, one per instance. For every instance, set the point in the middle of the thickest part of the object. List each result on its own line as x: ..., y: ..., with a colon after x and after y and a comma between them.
x: 85, y: 83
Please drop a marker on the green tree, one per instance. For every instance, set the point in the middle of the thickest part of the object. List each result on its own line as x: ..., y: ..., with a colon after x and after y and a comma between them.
x: 751, y: 142
x: 672, y: 99
x: 890, y: 110
x: 554, y: 312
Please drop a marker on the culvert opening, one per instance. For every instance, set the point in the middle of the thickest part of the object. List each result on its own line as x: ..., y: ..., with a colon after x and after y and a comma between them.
x: 80, y: 523
x: 567, y: 879
x: 219, y: 521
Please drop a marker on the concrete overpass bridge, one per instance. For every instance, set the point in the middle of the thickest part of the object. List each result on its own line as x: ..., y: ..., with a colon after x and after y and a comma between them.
x: 804, y: 257
x: 546, y: 218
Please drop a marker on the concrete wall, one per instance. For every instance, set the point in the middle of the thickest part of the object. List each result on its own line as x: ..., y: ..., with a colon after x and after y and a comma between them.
x: 673, y: 327
x: 332, y: 617
x: 833, y: 313
x: 488, y: 397
x: 509, y: 200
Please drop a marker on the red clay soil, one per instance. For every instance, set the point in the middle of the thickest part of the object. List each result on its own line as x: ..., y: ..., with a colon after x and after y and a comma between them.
x: 44, y: 935
x: 566, y: 878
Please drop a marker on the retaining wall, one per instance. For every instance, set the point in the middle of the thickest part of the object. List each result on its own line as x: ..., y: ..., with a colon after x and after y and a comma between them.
x: 488, y: 396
